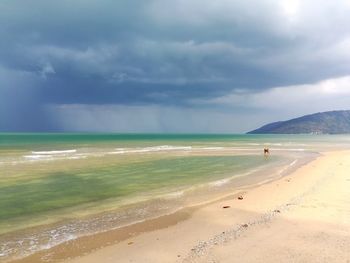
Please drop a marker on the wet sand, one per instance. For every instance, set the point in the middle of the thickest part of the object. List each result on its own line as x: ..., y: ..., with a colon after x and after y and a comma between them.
x: 304, y: 217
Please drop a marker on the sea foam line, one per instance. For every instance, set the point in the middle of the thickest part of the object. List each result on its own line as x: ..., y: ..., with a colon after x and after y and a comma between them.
x: 53, y: 152
x: 151, y: 149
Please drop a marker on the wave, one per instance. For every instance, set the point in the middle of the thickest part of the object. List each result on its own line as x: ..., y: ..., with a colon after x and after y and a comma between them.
x: 176, y: 194
x: 168, y: 148
x: 165, y: 148
x: 53, y: 155
x: 293, y: 163
x: 220, y: 182
x: 73, y: 154
x: 286, y: 167
x: 37, y: 157
x: 53, y: 152
x: 289, y: 149
x: 211, y: 148
x: 151, y: 149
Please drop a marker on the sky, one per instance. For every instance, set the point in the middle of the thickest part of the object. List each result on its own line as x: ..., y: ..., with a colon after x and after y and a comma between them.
x: 169, y: 66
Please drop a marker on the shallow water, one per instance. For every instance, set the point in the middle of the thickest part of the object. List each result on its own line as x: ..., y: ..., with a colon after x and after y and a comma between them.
x: 55, y: 187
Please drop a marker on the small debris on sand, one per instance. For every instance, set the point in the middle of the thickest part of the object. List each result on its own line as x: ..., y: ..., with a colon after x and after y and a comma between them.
x: 130, y: 243
x: 245, y: 225
x: 226, y: 206
x: 277, y: 211
x: 240, y: 197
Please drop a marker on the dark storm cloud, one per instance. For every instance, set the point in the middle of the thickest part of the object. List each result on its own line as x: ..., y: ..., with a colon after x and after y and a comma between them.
x: 160, y: 52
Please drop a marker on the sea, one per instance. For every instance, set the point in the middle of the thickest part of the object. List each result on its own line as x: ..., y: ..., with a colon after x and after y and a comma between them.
x: 55, y: 187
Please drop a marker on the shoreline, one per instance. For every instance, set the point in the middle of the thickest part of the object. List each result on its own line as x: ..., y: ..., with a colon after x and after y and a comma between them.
x: 303, y: 216
x: 88, y: 244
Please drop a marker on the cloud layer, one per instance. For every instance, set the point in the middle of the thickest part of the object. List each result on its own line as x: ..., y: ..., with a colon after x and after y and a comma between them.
x: 211, y: 60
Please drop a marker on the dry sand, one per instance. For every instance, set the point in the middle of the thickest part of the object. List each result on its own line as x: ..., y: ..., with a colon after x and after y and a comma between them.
x: 304, y: 217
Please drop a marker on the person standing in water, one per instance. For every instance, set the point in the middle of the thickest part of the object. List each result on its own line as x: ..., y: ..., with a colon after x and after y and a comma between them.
x: 266, y: 152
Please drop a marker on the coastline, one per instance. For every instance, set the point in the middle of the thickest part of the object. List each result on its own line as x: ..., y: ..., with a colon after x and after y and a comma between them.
x: 307, y: 208
x: 85, y: 249
x: 48, y: 238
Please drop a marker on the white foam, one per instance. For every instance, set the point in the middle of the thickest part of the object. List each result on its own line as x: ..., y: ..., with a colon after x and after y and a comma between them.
x: 293, y: 163
x: 220, y: 182
x: 117, y: 152
x: 37, y: 157
x: 289, y: 149
x: 274, y: 144
x: 175, y: 194
x: 53, y: 152
x: 211, y: 148
x: 287, y: 166
x: 53, y: 155
x: 151, y: 149
x: 166, y: 148
x: 76, y: 157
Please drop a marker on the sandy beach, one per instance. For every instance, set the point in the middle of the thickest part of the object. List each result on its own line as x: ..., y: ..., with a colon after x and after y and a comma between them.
x: 303, y: 217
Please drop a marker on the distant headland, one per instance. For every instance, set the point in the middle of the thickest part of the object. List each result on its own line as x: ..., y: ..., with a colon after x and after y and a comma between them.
x: 330, y: 122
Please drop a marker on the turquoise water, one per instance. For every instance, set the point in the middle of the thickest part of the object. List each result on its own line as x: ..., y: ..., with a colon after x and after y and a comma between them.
x: 74, y: 184
x: 46, y: 140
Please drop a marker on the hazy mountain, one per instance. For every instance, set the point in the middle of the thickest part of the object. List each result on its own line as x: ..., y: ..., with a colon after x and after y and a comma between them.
x: 330, y: 122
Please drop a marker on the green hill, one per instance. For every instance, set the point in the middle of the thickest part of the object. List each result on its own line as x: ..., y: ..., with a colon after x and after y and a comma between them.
x: 330, y: 122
